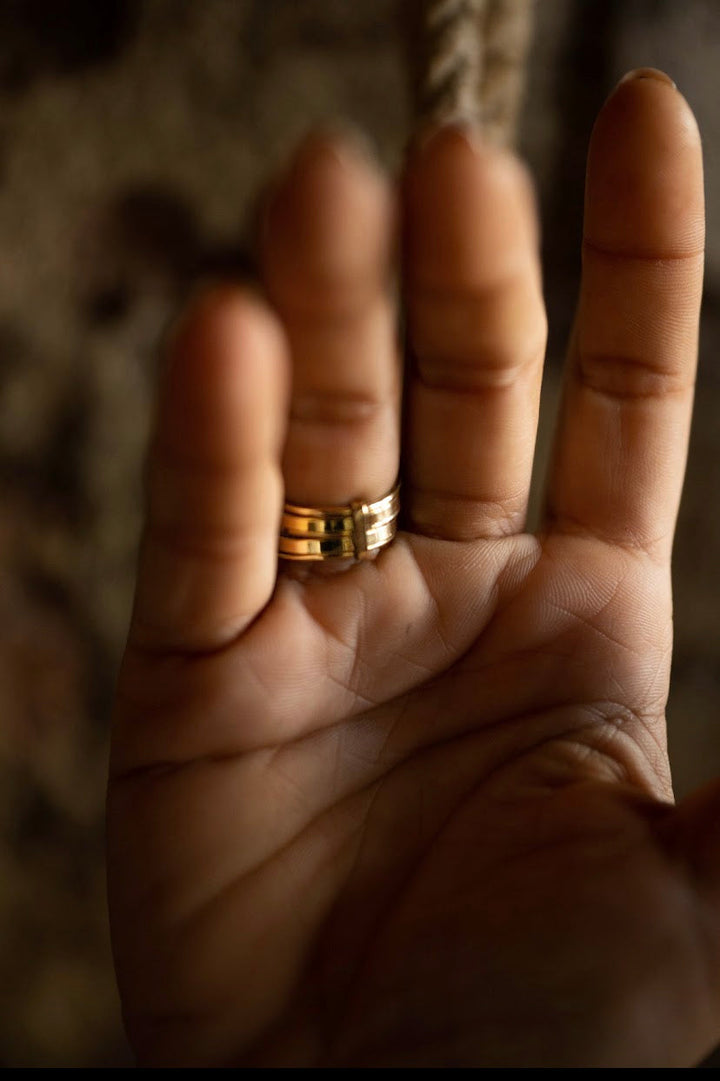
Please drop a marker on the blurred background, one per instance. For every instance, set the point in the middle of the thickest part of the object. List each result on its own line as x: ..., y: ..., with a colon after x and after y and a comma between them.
x: 134, y: 135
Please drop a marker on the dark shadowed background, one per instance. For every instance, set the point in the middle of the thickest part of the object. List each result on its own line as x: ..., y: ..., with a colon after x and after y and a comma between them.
x: 133, y: 137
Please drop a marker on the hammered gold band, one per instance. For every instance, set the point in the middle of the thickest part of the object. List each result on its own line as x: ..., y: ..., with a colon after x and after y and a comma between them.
x: 356, y: 531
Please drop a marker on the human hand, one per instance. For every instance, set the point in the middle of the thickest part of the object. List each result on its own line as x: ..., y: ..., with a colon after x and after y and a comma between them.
x: 419, y: 812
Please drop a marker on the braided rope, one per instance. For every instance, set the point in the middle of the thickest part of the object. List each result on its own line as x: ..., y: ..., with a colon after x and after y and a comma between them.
x: 475, y: 52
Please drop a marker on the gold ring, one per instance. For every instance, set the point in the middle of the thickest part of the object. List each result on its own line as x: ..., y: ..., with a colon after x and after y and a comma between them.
x: 355, y: 531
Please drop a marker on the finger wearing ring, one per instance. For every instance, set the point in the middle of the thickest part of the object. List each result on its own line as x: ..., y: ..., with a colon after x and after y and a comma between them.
x: 356, y: 531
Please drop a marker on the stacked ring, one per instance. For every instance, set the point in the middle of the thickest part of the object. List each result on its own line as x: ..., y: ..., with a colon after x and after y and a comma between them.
x: 355, y: 531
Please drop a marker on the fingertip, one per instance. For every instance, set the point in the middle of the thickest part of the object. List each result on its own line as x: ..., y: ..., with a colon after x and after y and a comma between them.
x: 644, y: 189
x: 227, y: 357
x: 328, y: 218
x: 651, y: 93
x: 430, y: 139
x: 221, y: 318
x: 457, y: 147
x: 334, y: 145
x: 470, y: 208
x: 648, y: 73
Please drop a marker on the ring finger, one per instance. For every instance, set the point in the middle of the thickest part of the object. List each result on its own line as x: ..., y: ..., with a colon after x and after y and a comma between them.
x: 326, y: 253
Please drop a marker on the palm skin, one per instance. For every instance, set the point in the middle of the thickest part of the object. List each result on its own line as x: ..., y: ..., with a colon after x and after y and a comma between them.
x: 419, y: 812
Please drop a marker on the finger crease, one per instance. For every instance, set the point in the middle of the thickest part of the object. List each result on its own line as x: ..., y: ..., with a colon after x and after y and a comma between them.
x: 564, y: 523
x: 223, y: 547
x: 333, y: 409
x: 469, y: 294
x: 476, y: 376
x: 605, y: 252
x: 628, y: 378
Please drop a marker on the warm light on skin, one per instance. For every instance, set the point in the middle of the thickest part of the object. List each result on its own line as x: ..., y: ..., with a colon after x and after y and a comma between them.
x: 419, y: 812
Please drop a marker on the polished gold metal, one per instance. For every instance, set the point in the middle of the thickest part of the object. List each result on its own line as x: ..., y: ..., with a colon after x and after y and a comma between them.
x: 355, y: 531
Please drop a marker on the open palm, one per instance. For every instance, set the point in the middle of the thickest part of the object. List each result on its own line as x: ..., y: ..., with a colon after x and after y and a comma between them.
x: 418, y: 811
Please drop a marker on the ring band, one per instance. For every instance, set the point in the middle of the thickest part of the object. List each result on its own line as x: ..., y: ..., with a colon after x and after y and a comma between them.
x: 356, y: 531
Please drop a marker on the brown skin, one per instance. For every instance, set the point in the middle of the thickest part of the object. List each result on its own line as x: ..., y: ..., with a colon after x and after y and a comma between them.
x: 418, y: 812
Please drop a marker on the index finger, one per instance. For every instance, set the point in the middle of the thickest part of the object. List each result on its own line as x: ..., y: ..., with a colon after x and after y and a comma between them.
x: 625, y: 420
